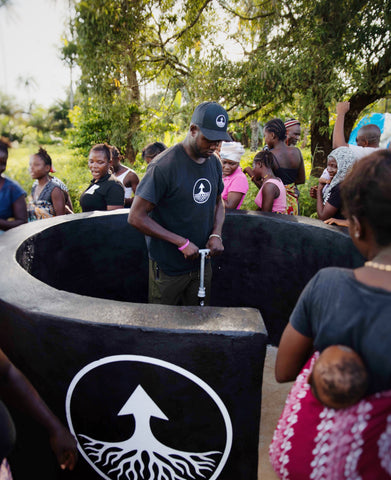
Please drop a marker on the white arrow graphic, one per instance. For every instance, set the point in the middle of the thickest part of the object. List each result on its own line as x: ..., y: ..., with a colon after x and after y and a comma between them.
x: 142, y: 456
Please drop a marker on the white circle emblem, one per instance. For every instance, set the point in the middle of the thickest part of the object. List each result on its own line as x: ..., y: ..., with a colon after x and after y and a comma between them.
x: 202, y: 190
x: 144, y: 452
x: 220, y: 121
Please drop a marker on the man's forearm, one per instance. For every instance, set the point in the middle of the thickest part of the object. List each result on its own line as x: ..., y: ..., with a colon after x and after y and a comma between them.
x: 219, y: 217
x: 149, y: 227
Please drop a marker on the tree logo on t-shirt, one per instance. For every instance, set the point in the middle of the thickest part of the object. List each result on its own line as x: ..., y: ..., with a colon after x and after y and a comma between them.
x: 202, y: 190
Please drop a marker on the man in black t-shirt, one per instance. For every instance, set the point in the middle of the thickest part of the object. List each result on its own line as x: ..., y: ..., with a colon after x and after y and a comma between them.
x: 178, y: 205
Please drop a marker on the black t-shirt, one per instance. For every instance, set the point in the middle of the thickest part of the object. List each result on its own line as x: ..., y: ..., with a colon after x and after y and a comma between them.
x: 184, y: 194
x: 334, y: 308
x: 336, y: 201
x: 7, y: 432
x: 106, y: 191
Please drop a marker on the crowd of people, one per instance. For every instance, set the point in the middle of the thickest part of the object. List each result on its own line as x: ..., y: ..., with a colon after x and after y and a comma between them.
x: 282, y: 166
x: 335, y: 346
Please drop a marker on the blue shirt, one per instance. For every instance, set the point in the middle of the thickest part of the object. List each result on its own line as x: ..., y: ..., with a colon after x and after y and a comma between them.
x: 9, y: 193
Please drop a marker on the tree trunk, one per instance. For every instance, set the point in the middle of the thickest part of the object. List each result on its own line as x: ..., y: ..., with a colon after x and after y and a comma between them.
x: 254, y: 135
x: 321, y: 144
x: 134, y: 120
x: 358, y: 102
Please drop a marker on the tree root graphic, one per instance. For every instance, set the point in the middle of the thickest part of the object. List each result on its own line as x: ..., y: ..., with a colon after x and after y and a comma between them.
x: 148, y: 459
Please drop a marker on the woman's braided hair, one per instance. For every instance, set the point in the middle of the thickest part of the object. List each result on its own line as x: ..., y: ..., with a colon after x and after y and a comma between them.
x: 277, y: 127
x: 266, y: 157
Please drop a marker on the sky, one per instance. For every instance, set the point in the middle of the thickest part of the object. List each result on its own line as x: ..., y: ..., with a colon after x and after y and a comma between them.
x: 30, y: 40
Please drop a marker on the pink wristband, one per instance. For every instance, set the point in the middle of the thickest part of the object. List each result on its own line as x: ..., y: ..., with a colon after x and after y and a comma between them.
x: 185, y: 245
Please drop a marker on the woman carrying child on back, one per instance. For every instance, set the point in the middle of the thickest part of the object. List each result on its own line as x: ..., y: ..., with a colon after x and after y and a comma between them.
x: 272, y: 195
x: 347, y: 307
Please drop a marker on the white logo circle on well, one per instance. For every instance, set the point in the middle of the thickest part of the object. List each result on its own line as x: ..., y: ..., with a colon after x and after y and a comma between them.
x: 143, y: 451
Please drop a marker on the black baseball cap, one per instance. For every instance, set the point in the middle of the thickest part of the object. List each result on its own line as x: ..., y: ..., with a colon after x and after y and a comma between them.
x: 212, y: 120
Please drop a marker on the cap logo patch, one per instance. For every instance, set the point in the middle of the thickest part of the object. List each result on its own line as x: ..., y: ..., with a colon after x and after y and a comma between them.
x: 220, y: 121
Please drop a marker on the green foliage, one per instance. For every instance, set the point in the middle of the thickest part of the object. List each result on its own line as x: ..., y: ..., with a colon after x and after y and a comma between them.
x: 123, y: 47
x: 307, y: 204
x: 38, y: 126
x: 303, y: 56
x: 89, y: 128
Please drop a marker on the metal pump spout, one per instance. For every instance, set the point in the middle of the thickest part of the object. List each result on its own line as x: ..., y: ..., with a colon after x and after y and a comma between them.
x: 201, y: 291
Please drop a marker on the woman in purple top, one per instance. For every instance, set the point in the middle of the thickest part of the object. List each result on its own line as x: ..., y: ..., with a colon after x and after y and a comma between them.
x: 13, y: 211
x: 235, y: 181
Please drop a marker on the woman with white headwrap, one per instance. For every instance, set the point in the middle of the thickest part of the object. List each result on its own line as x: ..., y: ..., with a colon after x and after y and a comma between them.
x: 330, y: 205
x: 235, y: 181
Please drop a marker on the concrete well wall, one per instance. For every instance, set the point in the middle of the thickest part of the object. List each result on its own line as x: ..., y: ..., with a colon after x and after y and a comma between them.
x: 74, y: 319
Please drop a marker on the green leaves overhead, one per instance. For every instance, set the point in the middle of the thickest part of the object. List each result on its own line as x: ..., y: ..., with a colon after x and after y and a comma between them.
x: 297, y: 55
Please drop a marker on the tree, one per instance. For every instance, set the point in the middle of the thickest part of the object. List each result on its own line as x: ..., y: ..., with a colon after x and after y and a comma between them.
x: 300, y: 56
x: 123, y: 45
x: 310, y: 53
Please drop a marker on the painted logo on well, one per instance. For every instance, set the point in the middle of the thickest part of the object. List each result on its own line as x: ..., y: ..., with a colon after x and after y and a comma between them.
x: 142, y: 418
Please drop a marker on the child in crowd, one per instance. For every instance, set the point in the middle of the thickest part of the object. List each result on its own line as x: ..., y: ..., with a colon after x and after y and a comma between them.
x: 272, y: 195
x: 339, y: 378
x: 329, y: 205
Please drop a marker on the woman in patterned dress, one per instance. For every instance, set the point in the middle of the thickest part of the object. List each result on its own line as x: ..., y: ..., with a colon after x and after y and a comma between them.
x: 47, y: 198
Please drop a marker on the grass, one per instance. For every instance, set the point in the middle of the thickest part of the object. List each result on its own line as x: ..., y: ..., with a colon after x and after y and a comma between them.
x: 72, y: 169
